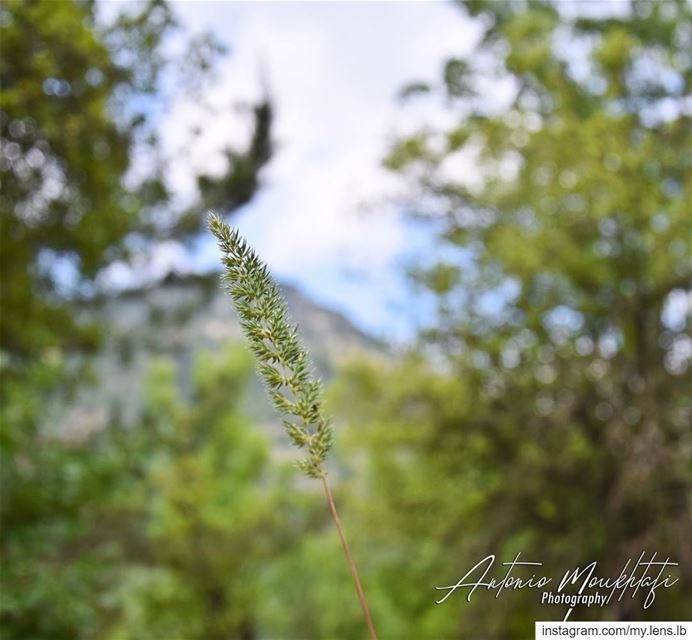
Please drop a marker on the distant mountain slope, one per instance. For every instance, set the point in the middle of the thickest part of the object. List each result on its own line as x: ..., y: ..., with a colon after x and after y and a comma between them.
x: 175, y: 319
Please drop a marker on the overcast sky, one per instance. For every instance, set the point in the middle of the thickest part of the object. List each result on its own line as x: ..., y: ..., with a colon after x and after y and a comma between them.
x: 323, y: 220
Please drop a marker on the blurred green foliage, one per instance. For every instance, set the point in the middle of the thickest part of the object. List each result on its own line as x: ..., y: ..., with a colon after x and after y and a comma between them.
x: 556, y: 420
x: 545, y: 411
x: 79, y: 102
x: 210, y: 510
x: 181, y: 527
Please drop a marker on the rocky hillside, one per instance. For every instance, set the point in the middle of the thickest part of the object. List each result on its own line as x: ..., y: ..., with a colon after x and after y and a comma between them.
x: 175, y: 319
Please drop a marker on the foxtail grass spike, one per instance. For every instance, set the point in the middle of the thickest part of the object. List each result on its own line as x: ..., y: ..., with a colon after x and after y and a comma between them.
x: 282, y: 362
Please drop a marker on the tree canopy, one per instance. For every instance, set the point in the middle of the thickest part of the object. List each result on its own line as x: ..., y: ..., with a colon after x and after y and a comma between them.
x: 81, y: 94
x: 557, y: 420
x: 79, y: 104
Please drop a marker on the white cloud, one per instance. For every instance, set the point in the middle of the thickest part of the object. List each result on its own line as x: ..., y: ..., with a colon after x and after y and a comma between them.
x: 334, y: 70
